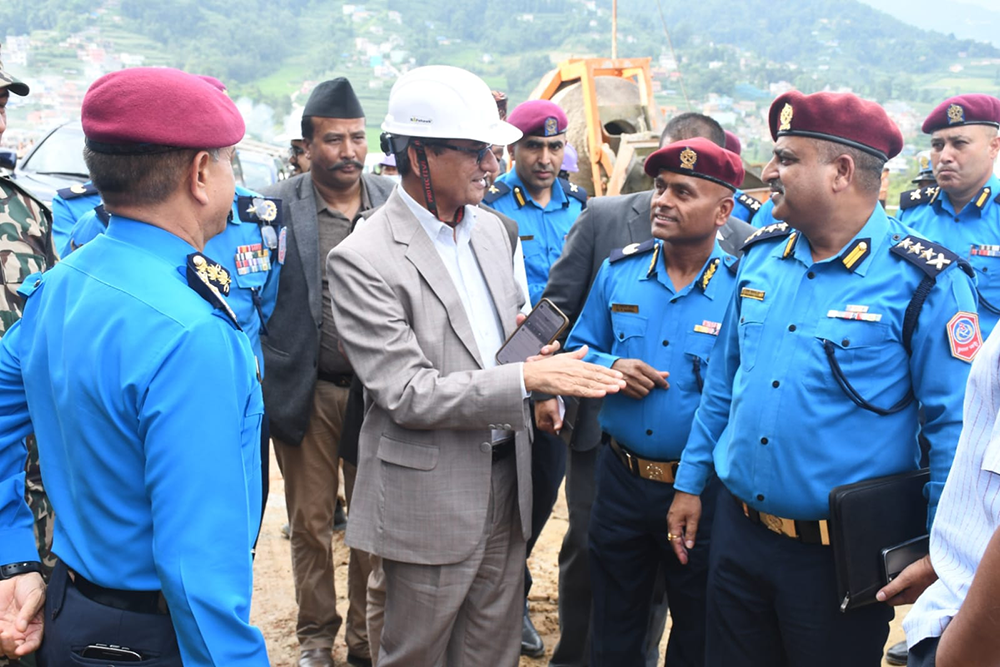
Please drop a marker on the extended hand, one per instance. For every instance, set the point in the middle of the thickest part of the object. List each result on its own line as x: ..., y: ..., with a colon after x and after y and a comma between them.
x: 22, y: 599
x: 547, y: 416
x: 909, y: 584
x: 640, y: 377
x: 682, y: 523
x: 567, y: 375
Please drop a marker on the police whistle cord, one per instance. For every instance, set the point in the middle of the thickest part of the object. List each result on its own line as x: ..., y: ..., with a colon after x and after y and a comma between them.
x: 853, y: 394
x: 425, y: 179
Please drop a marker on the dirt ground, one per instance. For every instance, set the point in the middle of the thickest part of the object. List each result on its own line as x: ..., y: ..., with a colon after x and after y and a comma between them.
x: 274, y: 594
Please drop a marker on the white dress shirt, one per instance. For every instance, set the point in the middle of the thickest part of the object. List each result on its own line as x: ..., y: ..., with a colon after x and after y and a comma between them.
x: 969, y: 511
x: 454, y: 247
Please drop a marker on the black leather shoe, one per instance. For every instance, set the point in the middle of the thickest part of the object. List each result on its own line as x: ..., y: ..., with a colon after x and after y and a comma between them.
x: 897, y: 654
x: 316, y: 657
x: 531, y: 643
x: 358, y: 661
x: 339, y: 518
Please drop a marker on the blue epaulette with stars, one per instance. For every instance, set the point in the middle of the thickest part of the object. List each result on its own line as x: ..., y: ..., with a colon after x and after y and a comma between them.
x: 929, y: 257
x: 772, y: 231
x: 495, y: 191
x: 574, y: 190
x: 260, y: 210
x: 917, y: 197
x: 78, y: 190
x: 752, y: 204
x: 631, y: 250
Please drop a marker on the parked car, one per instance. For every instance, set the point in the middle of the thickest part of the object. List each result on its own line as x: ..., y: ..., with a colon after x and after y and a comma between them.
x: 54, y: 163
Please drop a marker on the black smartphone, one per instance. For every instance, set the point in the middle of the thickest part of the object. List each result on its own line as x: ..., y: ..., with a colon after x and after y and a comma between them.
x: 111, y: 652
x: 896, y: 559
x: 543, y: 324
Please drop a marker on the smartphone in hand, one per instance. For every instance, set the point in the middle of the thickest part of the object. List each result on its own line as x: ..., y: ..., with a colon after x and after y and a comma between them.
x: 544, y: 323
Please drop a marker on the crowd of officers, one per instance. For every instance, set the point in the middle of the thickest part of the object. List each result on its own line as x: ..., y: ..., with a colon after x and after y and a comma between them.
x: 727, y: 364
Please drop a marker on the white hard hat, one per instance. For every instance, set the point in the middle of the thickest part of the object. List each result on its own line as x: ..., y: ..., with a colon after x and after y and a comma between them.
x: 443, y: 102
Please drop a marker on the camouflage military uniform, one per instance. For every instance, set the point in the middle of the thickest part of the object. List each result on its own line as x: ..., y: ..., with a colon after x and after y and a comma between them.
x: 25, y: 248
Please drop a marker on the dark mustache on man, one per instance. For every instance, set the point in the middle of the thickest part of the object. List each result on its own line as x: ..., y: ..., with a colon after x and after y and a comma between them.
x: 346, y: 163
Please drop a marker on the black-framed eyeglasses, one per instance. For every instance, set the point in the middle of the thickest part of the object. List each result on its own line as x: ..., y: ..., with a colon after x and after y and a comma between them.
x: 480, y: 153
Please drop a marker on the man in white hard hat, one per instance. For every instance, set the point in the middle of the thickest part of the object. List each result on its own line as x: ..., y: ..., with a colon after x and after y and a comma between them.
x: 423, y: 297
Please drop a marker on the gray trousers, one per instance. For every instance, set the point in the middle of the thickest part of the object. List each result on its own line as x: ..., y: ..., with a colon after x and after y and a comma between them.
x: 465, y: 614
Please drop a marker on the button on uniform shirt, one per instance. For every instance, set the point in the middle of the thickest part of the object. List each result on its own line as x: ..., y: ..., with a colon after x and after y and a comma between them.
x: 147, y: 409
x: 793, y: 433
x: 969, y: 512
x: 542, y: 230
x: 459, y: 259
x: 333, y: 228
x: 634, y: 312
x: 252, y: 294
x: 973, y: 233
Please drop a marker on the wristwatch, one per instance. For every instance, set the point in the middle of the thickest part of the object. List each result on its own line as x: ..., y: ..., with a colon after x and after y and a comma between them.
x: 13, y: 569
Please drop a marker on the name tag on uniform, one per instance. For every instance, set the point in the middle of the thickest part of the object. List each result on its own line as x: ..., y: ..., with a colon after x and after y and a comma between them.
x: 530, y: 237
x: 706, y: 327
x: 755, y: 294
x: 984, y: 250
x: 855, y: 313
x: 252, y: 258
x: 624, y: 308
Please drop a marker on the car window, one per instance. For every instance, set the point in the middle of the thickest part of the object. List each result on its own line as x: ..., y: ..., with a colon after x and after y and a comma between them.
x: 61, y: 152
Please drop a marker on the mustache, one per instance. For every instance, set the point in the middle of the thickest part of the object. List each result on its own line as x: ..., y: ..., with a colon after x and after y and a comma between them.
x: 346, y: 163
x: 776, y: 186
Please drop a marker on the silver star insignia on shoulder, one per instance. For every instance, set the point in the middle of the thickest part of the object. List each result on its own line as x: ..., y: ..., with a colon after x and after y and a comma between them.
x: 916, y: 248
x: 939, y: 262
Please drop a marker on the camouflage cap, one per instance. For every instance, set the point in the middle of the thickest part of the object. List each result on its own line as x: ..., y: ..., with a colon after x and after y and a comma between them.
x: 10, y: 83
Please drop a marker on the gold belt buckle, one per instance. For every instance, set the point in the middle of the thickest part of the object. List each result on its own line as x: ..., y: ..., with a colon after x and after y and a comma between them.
x: 654, y: 471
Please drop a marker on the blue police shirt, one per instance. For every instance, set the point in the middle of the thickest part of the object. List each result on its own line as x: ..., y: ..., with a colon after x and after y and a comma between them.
x: 542, y: 230
x: 147, y: 408
x: 634, y: 312
x: 793, y: 434
x: 255, y: 283
x: 764, y: 215
x: 745, y: 207
x: 973, y: 233
x: 67, y: 206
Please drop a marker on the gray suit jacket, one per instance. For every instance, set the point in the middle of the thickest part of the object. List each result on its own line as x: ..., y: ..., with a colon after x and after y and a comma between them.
x: 424, y: 454
x: 291, y: 346
x: 608, y: 223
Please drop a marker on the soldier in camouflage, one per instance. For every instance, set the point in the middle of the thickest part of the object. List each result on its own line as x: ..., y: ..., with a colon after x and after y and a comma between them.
x: 25, y: 247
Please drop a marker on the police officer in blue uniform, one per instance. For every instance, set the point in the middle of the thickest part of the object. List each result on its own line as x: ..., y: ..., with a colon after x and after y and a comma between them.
x: 963, y: 211
x: 654, y: 312
x: 544, y: 207
x: 816, y: 382
x: 68, y: 206
x: 145, y: 398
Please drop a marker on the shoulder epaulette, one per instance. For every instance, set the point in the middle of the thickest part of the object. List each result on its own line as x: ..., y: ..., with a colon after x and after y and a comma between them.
x: 751, y: 203
x: 631, y: 250
x: 997, y: 199
x: 732, y: 263
x: 78, y: 190
x: 929, y: 257
x: 102, y: 214
x: 211, y: 280
x: 574, y: 190
x: 773, y: 231
x: 30, y: 284
x: 260, y: 210
x: 917, y: 197
x: 495, y: 191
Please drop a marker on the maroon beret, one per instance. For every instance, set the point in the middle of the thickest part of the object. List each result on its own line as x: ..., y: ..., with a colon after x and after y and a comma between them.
x: 149, y: 109
x: 733, y: 144
x: 698, y: 157
x: 844, y: 118
x: 540, y: 118
x: 213, y: 81
x: 971, y: 109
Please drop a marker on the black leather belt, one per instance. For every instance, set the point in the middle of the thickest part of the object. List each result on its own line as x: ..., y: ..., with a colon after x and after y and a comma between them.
x: 656, y: 471
x: 140, y: 602
x: 807, y: 532
x: 339, y: 379
x: 503, y: 449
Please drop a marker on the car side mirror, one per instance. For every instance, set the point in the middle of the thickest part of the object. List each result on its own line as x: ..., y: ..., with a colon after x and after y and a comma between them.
x: 8, y: 158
